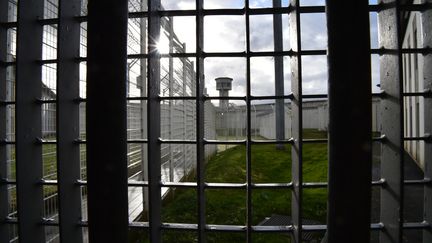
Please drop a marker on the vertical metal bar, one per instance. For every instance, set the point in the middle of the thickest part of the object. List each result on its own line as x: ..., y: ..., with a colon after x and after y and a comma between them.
x: 28, y: 153
x: 279, y: 75
x: 249, y: 212
x: 4, y: 201
x: 350, y: 112
x: 170, y: 94
x: 392, y: 120
x: 68, y: 152
x: 143, y: 92
x: 184, y: 86
x: 200, y: 121
x: 106, y: 121
x: 296, y: 120
x: 426, y: 22
x: 154, y: 122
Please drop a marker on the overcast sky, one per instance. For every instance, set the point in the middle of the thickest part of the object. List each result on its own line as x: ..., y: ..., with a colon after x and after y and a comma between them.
x: 227, y: 33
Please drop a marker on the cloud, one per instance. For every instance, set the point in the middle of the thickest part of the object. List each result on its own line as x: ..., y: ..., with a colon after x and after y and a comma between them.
x: 224, y: 34
x: 178, y: 5
x: 228, y: 34
x: 313, y: 31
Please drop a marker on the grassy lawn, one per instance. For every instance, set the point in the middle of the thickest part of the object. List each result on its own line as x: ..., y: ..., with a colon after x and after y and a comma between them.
x: 228, y: 206
x: 49, y: 160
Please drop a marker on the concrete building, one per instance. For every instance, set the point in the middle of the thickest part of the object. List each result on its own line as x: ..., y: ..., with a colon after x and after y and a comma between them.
x: 415, y: 80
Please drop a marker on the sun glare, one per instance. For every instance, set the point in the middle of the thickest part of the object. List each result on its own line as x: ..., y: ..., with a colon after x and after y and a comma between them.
x: 162, y: 45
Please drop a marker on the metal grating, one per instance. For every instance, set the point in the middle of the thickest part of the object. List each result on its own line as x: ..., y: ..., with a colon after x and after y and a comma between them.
x: 43, y: 79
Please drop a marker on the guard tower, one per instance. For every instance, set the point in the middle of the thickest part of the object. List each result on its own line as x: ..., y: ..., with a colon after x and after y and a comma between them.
x: 224, y: 85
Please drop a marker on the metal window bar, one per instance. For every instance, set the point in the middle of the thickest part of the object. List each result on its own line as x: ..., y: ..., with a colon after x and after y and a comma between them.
x: 392, y: 149
x: 28, y: 152
x: 106, y: 157
x: 350, y: 109
x: 426, y: 21
x: 4, y: 198
x: 297, y: 119
x: 153, y: 123
x: 68, y: 152
x: 385, y: 51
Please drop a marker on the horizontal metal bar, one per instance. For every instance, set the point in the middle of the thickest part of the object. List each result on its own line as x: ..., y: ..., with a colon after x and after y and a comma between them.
x: 137, y: 141
x: 273, y: 229
x: 80, y: 100
x: 239, y: 142
x: 287, y: 185
x: 228, y: 11
x: 7, y: 102
x: 42, y: 101
x: 80, y: 141
x: 315, y: 184
x: 8, y: 25
x: 45, y: 182
x: 415, y: 225
x: 49, y: 222
x: 377, y: 226
x: 225, y: 228
x: 425, y: 93
x: 177, y: 98
x: 181, y: 227
x: 426, y: 138
x: 272, y: 185
x: 49, y: 21
x: 177, y: 141
x: 312, y: 52
x: 47, y: 61
x: 7, y: 64
x: 6, y: 142
x: 225, y: 185
x: 381, y: 138
x: 323, y: 140
x: 383, y: 51
x: 81, y: 183
x: 137, y: 98
x: 46, y: 141
x: 9, y: 220
x: 288, y: 141
x: 272, y: 97
x: 139, y: 225
x: 137, y: 183
x: 8, y: 181
x: 424, y: 181
x: 379, y: 182
x: 313, y: 228
x: 179, y: 184
x: 225, y: 98
x: 314, y: 96
x: 81, y: 59
x: 258, y: 228
x: 403, y: 7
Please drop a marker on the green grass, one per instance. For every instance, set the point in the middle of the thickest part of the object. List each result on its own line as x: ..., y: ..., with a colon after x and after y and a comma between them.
x: 49, y: 160
x: 228, y: 206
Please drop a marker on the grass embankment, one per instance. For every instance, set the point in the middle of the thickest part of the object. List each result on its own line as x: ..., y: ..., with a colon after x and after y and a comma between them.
x: 228, y: 206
